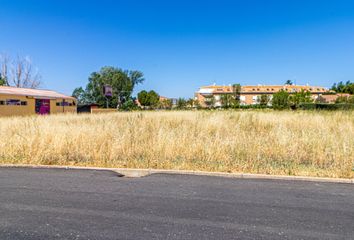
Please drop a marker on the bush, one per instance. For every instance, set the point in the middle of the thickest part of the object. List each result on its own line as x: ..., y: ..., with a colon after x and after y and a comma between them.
x: 326, y: 106
x: 254, y: 106
x: 280, y: 100
x: 129, y: 106
x: 148, y: 99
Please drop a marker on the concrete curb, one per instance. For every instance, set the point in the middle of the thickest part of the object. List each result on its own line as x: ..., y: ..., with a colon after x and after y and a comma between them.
x: 136, y: 173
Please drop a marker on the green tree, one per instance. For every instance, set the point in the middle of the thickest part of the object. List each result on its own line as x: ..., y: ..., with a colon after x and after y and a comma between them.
x: 196, y: 104
x: 121, y: 81
x: 129, y: 106
x: 300, y: 97
x: 154, y: 98
x: 236, y: 88
x: 264, y: 99
x: 341, y: 87
x: 280, y: 100
x: 181, y: 103
x: 289, y: 82
x: 148, y: 99
x: 2, y: 81
x: 143, y: 98
x: 228, y: 101
x: 80, y: 94
x: 191, y: 103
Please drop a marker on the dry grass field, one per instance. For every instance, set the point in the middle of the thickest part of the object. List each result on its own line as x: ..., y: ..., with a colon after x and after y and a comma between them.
x: 289, y: 143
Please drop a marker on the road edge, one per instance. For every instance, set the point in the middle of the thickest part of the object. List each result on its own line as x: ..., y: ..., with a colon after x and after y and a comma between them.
x: 137, y: 173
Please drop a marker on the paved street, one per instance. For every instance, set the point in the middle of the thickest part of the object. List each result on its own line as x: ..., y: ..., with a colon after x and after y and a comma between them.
x: 75, y: 204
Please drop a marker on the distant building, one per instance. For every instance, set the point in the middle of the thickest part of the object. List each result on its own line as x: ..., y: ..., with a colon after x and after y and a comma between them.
x: 87, y: 108
x: 173, y: 100
x: 22, y: 101
x: 250, y: 94
x: 331, y: 98
x: 162, y: 98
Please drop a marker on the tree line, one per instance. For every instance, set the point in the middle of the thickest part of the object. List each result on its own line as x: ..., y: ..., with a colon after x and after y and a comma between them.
x: 20, y: 72
x: 124, y: 81
x: 340, y: 87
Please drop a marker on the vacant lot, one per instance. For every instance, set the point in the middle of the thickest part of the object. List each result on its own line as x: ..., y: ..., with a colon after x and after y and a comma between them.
x: 291, y: 143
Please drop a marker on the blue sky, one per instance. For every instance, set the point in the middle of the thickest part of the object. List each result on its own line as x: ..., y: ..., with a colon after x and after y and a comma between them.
x: 181, y: 45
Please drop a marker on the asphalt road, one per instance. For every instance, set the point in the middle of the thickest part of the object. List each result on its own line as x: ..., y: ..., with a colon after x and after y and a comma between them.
x: 73, y: 204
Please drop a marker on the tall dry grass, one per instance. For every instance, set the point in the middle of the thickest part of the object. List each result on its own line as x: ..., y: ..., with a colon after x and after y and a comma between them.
x: 290, y: 143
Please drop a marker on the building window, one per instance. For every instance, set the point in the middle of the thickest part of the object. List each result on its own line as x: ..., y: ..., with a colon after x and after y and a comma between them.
x: 63, y: 104
x: 13, y: 102
x: 2, y: 102
x: 23, y: 103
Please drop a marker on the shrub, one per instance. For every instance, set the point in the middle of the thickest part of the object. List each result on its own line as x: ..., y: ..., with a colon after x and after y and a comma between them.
x: 280, y: 100
x: 129, y: 106
x: 326, y: 106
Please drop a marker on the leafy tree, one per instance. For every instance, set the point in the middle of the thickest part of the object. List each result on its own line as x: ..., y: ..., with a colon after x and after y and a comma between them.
x: 80, y: 94
x: 154, y: 98
x: 341, y: 87
x: 148, y: 99
x: 300, y: 97
x: 236, y: 88
x: 191, y: 103
x: 196, y: 104
x: 129, y: 106
x: 264, y: 99
x: 2, y: 81
x: 289, y: 82
x: 228, y: 101
x: 143, y: 98
x: 280, y: 100
x: 181, y: 103
x: 121, y: 81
